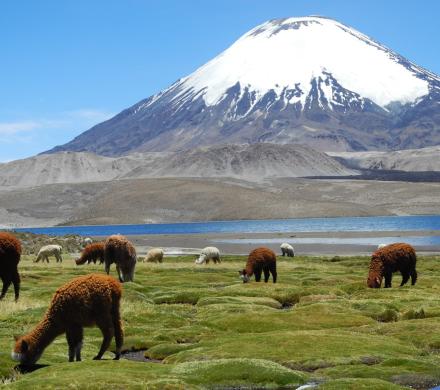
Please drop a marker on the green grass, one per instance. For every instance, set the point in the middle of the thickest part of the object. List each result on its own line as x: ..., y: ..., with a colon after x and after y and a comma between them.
x: 318, y: 324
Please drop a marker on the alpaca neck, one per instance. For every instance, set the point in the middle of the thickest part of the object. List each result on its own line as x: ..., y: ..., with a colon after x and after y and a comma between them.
x: 249, y: 270
x: 43, y: 334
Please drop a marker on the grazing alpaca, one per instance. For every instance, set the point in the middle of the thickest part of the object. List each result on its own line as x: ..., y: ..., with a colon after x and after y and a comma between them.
x: 287, y: 250
x: 10, y: 252
x: 87, y: 241
x: 120, y: 251
x: 208, y: 253
x: 392, y: 258
x: 49, y: 250
x: 85, y: 301
x: 92, y: 252
x: 154, y: 255
x: 380, y: 246
x: 260, y: 259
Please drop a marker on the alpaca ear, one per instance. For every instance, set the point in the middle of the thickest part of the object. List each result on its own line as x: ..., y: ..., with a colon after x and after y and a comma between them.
x: 24, y: 346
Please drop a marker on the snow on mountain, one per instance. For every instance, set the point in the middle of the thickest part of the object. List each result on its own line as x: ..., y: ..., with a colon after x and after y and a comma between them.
x: 309, y: 80
x: 289, y: 53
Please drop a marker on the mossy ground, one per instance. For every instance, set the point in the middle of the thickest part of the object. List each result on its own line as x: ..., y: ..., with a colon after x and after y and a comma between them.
x: 318, y: 324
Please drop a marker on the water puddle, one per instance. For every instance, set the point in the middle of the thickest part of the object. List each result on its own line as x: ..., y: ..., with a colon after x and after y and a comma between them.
x: 138, y: 356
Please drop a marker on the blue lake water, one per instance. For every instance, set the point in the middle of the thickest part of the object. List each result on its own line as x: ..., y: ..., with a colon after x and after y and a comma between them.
x: 352, y: 224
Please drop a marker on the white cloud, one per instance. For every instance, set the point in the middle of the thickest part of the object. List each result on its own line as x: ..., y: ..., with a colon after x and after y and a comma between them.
x: 80, y: 120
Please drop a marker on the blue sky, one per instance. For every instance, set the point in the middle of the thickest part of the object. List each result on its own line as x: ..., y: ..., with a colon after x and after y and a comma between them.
x: 67, y: 65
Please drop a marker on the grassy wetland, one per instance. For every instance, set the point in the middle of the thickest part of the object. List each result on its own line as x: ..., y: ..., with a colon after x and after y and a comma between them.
x: 203, y: 328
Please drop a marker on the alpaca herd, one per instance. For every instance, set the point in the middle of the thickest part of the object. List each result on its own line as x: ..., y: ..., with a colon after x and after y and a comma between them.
x: 94, y: 299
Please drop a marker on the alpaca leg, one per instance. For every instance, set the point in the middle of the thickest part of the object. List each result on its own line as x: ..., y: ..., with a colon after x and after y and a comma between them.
x: 16, y: 283
x: 107, y: 267
x: 405, y: 278
x: 413, y: 277
x: 6, y: 283
x: 388, y: 277
x: 257, y: 273
x: 106, y: 327
x: 273, y: 271
x: 284, y: 252
x: 266, y: 274
x: 119, y: 333
x: 74, y: 336
x: 118, y: 270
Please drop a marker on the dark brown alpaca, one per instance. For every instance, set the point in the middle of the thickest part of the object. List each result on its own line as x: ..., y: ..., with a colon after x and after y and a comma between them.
x: 260, y: 260
x: 120, y: 251
x: 10, y: 252
x: 392, y: 258
x: 92, y: 253
x: 85, y: 301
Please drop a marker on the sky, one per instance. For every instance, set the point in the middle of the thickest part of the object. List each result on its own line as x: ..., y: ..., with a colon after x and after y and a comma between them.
x: 68, y: 65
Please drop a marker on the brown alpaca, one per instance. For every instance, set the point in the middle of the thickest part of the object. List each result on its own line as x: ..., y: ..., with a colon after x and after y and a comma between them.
x: 92, y: 252
x: 260, y: 260
x: 10, y: 252
x: 84, y: 301
x: 120, y: 251
x: 392, y: 258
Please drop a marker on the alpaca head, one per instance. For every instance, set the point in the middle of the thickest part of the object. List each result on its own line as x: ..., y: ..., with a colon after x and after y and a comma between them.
x: 126, y: 273
x: 244, y: 276
x: 24, y: 353
x: 201, y: 259
x: 374, y: 281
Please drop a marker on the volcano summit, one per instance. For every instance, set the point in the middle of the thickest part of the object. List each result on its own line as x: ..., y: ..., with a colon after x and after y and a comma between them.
x: 309, y: 80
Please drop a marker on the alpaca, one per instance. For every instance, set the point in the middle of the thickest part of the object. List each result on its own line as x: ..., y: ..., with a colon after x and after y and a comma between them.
x: 92, y: 252
x: 208, y: 253
x: 380, y: 246
x: 154, y: 255
x: 118, y: 250
x: 84, y: 301
x: 49, y: 250
x: 87, y: 241
x: 392, y: 258
x: 260, y: 259
x: 10, y: 252
x: 287, y: 250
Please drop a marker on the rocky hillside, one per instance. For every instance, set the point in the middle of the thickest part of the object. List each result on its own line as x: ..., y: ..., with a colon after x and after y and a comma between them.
x: 249, y: 162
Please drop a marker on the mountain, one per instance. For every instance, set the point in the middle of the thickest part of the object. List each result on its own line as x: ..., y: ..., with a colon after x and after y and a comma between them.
x: 249, y: 162
x: 409, y: 160
x: 308, y: 80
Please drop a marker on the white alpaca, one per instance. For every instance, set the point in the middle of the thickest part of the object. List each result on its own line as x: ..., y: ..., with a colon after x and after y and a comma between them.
x: 50, y: 250
x: 287, y: 250
x: 87, y: 241
x: 208, y: 253
x: 380, y: 246
x: 154, y: 255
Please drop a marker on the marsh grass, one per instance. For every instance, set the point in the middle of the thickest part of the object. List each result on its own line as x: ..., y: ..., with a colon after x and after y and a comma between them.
x: 212, y: 331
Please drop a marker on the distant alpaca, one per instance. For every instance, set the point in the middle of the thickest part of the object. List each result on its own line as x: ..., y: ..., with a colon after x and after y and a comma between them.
x: 92, y: 252
x: 49, y: 250
x: 392, y: 258
x: 287, y: 250
x: 154, y: 255
x: 87, y: 241
x: 208, y: 253
x: 120, y: 251
x: 10, y: 252
x: 84, y: 301
x: 260, y: 260
x: 380, y: 246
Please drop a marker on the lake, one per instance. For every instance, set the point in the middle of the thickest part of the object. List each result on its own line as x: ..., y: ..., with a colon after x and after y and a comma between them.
x: 352, y: 224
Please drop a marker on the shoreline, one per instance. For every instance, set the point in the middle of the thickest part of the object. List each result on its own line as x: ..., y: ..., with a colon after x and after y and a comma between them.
x: 242, y: 243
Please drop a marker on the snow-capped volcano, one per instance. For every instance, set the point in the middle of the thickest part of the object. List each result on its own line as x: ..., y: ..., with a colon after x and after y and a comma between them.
x: 309, y: 80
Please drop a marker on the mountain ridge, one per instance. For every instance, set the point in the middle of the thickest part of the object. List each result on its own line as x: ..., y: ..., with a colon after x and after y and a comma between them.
x: 309, y: 80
